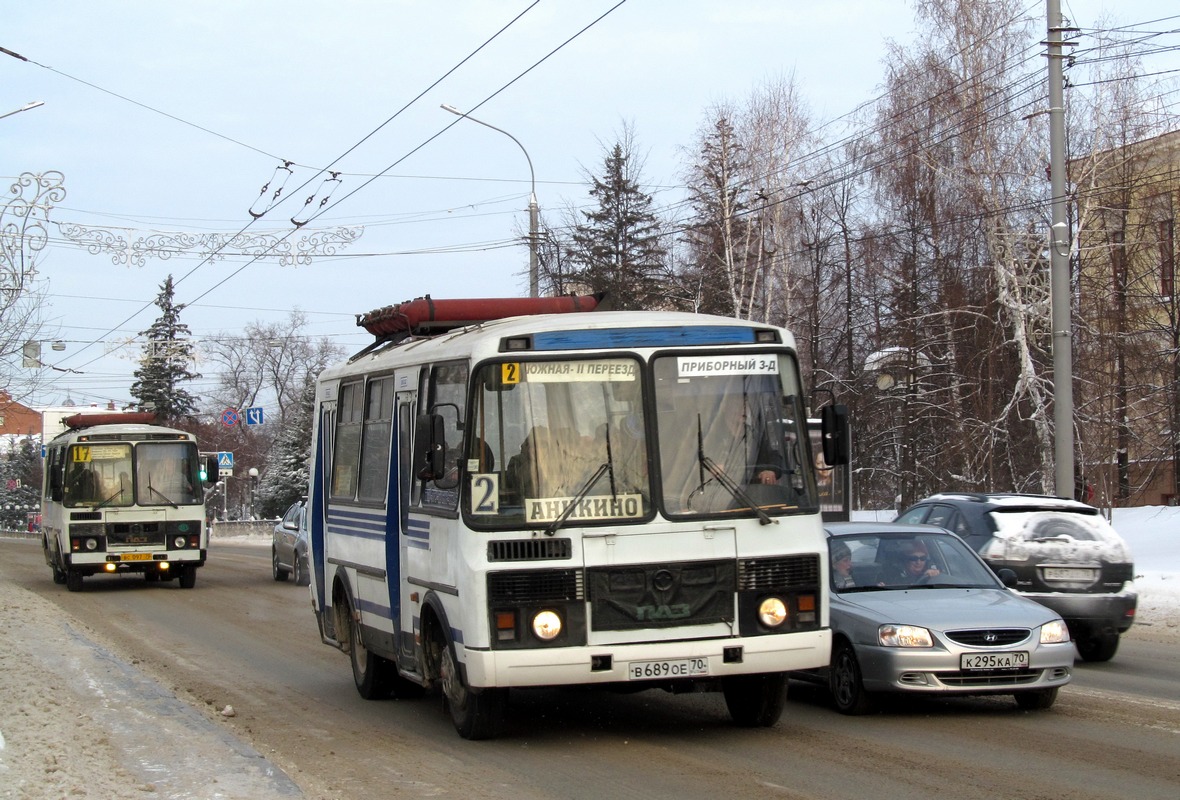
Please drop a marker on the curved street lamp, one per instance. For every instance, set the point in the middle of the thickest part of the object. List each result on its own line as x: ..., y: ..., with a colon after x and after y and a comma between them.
x: 533, y: 224
x: 25, y: 107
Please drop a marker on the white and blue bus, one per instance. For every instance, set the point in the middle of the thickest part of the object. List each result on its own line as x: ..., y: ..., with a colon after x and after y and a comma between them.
x: 530, y: 493
x: 123, y: 495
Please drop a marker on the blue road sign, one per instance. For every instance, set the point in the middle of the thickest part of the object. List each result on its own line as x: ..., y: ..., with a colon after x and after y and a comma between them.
x: 229, y: 417
x: 254, y: 415
x: 225, y: 460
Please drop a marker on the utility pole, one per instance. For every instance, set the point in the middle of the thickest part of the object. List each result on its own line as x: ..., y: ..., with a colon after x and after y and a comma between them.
x: 1060, y: 294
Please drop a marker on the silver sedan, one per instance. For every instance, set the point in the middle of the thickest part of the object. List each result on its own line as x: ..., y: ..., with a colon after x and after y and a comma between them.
x: 914, y: 609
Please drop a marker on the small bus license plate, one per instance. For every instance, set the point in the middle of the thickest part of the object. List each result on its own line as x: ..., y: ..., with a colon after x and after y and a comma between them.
x: 136, y: 557
x: 1068, y: 574
x: 679, y: 668
x: 971, y: 661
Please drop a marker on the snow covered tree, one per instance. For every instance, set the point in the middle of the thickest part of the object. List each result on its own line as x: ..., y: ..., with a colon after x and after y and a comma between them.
x: 163, y: 366
x: 20, y: 481
x: 286, y: 476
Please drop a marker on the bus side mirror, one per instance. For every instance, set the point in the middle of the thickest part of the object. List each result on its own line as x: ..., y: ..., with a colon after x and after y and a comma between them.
x: 429, y: 447
x: 835, y: 430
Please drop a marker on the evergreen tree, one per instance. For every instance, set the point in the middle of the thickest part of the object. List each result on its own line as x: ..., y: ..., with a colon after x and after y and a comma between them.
x: 286, y: 476
x: 20, y: 482
x: 164, y: 365
x: 617, y: 248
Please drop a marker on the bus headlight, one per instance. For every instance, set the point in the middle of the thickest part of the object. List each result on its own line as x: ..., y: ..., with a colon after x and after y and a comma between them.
x: 546, y: 625
x: 92, y: 544
x: 772, y: 612
x: 179, y: 542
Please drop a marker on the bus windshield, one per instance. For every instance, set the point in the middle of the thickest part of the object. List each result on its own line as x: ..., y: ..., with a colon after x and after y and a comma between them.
x: 557, y: 441
x: 166, y: 474
x: 98, y: 474
x: 732, y: 434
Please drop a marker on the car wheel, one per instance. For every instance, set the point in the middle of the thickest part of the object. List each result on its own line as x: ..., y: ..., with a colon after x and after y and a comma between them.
x: 370, y: 671
x: 1037, y: 699
x: 74, y: 580
x: 755, y: 701
x: 845, y: 681
x: 1098, y: 647
x: 475, y: 714
x: 280, y: 572
x: 301, y: 575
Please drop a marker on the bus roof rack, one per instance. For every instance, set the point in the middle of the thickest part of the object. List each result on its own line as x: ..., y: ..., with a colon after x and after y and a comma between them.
x: 425, y: 316
x: 89, y: 420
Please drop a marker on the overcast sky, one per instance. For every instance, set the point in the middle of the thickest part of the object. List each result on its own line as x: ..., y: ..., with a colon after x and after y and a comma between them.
x: 166, y: 120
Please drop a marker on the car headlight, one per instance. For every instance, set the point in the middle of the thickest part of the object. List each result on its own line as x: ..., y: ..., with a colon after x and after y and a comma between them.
x: 547, y: 625
x: 772, y: 612
x: 1054, y: 632
x: 904, y: 636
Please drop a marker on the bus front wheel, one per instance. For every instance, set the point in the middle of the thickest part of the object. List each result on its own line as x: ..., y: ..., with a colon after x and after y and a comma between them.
x: 756, y: 701
x: 477, y: 714
x: 188, y: 576
x: 73, y: 580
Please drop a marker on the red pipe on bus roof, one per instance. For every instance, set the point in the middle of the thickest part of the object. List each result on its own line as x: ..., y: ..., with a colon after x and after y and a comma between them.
x: 83, y: 420
x: 428, y: 314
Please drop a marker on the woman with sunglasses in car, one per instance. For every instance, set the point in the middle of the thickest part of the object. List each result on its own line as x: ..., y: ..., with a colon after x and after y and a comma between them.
x: 915, y: 563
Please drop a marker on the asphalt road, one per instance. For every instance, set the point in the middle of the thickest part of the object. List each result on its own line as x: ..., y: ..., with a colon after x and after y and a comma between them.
x: 241, y: 639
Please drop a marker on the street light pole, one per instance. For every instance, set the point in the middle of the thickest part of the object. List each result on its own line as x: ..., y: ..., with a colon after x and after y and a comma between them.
x: 25, y: 107
x: 534, y: 234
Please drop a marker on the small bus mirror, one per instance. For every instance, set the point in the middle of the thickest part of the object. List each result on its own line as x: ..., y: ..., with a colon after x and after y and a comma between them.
x: 834, y: 427
x: 429, y: 447
x: 210, y: 471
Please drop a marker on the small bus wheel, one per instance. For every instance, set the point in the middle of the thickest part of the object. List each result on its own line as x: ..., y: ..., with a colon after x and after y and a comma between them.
x: 476, y: 714
x: 188, y: 576
x: 370, y: 672
x: 755, y: 701
x: 74, y: 580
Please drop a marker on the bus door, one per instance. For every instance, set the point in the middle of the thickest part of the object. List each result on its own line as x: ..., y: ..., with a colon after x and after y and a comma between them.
x: 406, y: 542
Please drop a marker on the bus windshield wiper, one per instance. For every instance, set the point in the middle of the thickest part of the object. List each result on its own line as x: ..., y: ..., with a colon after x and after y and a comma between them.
x: 573, y: 504
x: 154, y: 490
x: 102, y: 503
x: 738, y: 493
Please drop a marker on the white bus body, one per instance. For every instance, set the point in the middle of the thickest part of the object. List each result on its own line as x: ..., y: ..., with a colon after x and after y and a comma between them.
x: 121, y: 495
x: 553, y: 500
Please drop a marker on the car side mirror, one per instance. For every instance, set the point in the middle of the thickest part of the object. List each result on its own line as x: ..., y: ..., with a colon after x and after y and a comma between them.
x: 1007, y: 577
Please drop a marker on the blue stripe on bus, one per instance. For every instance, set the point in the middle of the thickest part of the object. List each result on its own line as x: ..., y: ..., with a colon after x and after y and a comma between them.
x: 361, y: 526
x: 643, y: 337
x: 369, y: 607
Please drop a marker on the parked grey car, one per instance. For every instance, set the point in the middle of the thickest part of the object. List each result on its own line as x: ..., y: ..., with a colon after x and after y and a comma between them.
x: 914, y: 609
x: 1064, y: 553
x: 288, y: 548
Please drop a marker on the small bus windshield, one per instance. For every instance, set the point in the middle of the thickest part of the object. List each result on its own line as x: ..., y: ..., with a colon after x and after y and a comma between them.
x: 546, y: 435
x: 732, y: 434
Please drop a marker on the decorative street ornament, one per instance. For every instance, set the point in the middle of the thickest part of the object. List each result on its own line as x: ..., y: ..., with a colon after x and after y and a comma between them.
x: 22, y: 229
x: 132, y: 248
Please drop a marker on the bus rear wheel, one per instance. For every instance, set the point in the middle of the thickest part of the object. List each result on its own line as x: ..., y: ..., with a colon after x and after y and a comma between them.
x: 370, y: 671
x: 476, y: 714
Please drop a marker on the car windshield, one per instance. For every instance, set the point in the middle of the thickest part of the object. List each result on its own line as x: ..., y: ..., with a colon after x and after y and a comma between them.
x: 876, y: 562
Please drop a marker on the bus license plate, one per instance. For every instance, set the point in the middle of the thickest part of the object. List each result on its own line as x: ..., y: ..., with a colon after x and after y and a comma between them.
x: 680, y: 668
x: 972, y: 661
x: 136, y: 557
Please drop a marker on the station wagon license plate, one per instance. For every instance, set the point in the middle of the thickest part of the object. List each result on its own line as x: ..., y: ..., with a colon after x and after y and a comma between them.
x: 1068, y: 574
x: 976, y: 661
x: 136, y: 557
x: 679, y: 668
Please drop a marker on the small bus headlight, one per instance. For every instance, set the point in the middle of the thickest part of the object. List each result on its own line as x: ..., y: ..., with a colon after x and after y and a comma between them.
x: 92, y: 544
x: 546, y: 625
x: 772, y: 612
x: 179, y: 542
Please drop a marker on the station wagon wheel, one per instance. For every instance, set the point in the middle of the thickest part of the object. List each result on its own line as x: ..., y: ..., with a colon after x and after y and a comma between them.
x: 301, y: 575
x: 280, y: 573
x: 1036, y: 699
x: 1098, y: 647
x: 845, y: 681
x: 476, y: 714
x: 755, y: 701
